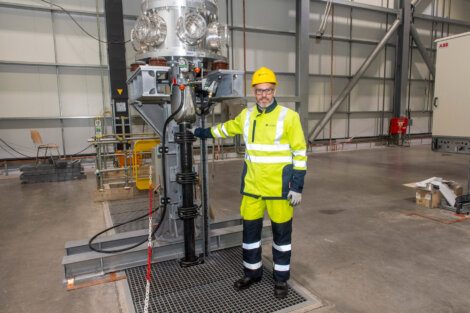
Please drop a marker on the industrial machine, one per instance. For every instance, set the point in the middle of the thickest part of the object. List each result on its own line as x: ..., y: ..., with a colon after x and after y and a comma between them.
x: 179, y: 75
x: 185, y: 72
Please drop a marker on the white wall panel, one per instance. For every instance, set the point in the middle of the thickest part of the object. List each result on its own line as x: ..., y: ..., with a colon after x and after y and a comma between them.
x: 28, y: 91
x: 19, y: 137
x: 424, y: 7
x: 380, y: 3
x: 316, y: 12
x: 419, y: 69
x: 275, y: 52
x: 341, y: 20
x: 363, y: 127
x: 460, y: 9
x: 339, y: 127
x: 388, y: 100
x: 424, y: 31
x: 359, y: 54
x: 367, y: 95
x: 76, y: 136
x: 319, y: 98
x: 286, y: 85
x: 420, y: 125
x: 130, y: 52
x: 454, y: 30
x: 419, y: 96
x: 26, y: 36
x: 73, y: 46
x: 368, y: 25
x: 223, y: 13
x: 131, y: 7
x: 80, y: 92
x: 320, y: 57
x: 266, y: 14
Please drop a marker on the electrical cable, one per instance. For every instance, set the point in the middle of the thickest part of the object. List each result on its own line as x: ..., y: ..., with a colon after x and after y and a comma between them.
x: 81, y: 27
x: 76, y: 153
x: 6, y: 144
x: 165, y: 197
x: 7, y: 151
x: 17, y: 146
x: 90, y: 242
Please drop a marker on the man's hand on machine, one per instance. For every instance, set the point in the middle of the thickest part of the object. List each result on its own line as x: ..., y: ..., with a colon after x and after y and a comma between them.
x: 198, y: 132
x: 203, y: 133
x: 294, y: 197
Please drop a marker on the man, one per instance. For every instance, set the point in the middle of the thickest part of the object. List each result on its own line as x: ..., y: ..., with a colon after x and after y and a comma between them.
x: 272, y: 178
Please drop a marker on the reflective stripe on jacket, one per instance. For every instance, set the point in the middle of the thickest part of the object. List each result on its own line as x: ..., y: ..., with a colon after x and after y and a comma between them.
x: 275, y: 157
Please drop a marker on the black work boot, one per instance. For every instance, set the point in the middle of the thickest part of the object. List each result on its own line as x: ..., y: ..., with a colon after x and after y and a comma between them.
x: 280, y: 289
x: 245, y: 282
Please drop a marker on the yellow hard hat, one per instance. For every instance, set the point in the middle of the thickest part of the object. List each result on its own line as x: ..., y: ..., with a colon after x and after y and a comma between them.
x: 263, y: 75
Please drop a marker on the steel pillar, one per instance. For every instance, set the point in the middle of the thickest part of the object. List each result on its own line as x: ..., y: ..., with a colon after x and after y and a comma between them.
x: 402, y: 61
x: 302, y: 52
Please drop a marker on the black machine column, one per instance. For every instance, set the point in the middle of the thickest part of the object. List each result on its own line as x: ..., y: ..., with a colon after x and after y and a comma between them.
x: 188, y: 212
x: 117, y: 66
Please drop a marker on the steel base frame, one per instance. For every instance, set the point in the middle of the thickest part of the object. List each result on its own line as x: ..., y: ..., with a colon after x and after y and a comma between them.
x: 81, y: 264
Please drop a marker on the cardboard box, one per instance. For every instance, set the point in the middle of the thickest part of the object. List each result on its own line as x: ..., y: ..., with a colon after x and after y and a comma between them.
x: 456, y: 188
x: 429, y: 192
x: 428, y: 198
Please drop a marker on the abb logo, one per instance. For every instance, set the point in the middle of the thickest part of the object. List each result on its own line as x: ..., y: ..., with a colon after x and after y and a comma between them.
x: 443, y: 45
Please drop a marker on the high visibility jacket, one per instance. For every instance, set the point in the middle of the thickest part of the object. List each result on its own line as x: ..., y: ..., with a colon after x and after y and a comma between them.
x: 275, y: 157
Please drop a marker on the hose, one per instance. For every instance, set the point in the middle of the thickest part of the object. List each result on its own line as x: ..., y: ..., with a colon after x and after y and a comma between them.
x: 165, y: 197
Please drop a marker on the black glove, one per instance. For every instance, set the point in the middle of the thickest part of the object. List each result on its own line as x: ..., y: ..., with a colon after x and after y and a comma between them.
x: 203, y: 132
x: 198, y: 132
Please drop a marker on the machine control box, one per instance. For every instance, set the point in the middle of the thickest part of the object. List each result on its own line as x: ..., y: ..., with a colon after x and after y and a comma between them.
x: 226, y: 84
x: 149, y: 83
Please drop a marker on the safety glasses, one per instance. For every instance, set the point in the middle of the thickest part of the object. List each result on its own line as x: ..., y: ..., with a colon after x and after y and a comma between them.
x: 268, y: 91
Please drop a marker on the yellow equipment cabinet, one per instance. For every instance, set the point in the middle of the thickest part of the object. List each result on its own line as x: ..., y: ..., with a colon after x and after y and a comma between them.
x: 142, y: 155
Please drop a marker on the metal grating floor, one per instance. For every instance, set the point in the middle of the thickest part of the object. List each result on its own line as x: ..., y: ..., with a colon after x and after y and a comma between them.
x: 207, y: 287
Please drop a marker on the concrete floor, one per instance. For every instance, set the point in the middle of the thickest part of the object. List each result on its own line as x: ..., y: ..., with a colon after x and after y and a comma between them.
x: 353, y: 246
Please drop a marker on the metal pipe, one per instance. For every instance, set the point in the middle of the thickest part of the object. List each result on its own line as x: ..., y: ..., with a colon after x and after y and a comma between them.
x: 186, y: 178
x: 100, y: 53
x: 318, y: 128
x: 384, y: 85
x: 204, y: 190
x: 59, y: 93
x: 422, y: 50
x: 244, y: 46
x: 106, y: 141
x: 117, y: 169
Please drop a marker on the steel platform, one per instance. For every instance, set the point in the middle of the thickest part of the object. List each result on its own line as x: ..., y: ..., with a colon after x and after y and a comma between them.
x: 209, y: 288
